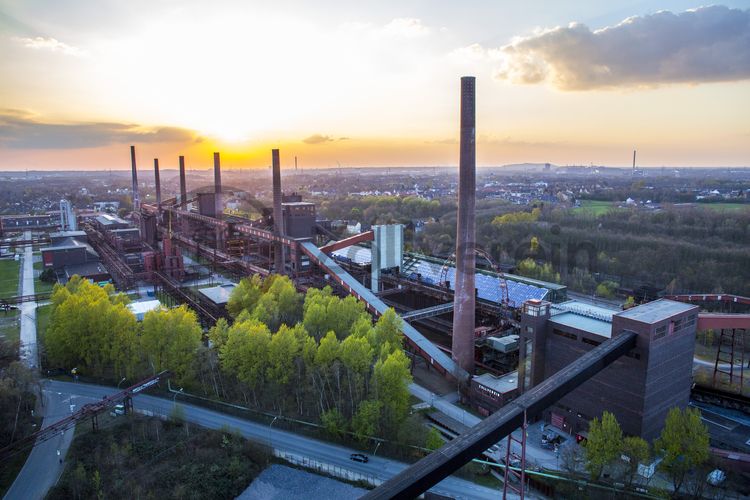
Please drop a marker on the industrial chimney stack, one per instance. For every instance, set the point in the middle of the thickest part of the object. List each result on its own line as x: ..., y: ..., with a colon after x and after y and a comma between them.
x: 465, y: 293
x: 183, y: 183
x: 157, y: 184
x: 134, y: 174
x: 278, y: 216
x: 217, y: 186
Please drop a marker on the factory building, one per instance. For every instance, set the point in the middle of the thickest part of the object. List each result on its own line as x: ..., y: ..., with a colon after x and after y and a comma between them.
x: 299, y: 219
x: 70, y: 254
x: 639, y: 388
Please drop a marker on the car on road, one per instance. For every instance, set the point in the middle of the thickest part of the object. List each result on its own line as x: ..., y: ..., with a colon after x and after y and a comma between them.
x: 359, y: 457
x: 118, y: 410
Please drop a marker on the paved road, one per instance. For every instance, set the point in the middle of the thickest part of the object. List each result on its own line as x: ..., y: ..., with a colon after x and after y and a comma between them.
x: 29, y: 353
x: 723, y: 366
x: 534, y: 452
x: 43, y: 466
x: 377, y: 467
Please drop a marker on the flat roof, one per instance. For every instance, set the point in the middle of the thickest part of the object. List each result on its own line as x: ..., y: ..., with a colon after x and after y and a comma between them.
x: 586, y: 309
x: 86, y: 269
x: 219, y: 295
x: 502, y: 384
x: 658, y: 310
x: 107, y: 219
x: 144, y: 306
x: 66, y: 234
x: 581, y: 322
x: 298, y: 203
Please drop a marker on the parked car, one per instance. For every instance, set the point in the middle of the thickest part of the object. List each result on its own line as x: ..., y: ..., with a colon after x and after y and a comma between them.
x: 359, y: 457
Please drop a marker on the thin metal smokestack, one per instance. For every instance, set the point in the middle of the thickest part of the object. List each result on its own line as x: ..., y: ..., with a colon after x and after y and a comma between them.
x: 634, y: 160
x: 465, y: 294
x: 217, y: 185
x: 183, y: 183
x: 157, y: 184
x: 278, y: 216
x: 134, y: 174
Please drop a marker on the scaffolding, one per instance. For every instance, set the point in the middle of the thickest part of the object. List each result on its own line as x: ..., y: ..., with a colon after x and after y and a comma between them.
x: 520, y: 476
x: 730, y: 356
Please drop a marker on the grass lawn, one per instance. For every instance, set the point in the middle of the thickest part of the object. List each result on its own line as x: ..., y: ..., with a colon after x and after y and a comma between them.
x: 10, y: 325
x: 595, y: 207
x: 42, y: 321
x: 728, y: 207
x: 41, y: 286
x: 9, y: 271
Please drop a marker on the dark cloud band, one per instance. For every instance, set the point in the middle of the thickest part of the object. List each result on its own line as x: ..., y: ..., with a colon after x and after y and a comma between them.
x: 708, y: 44
x: 19, y: 130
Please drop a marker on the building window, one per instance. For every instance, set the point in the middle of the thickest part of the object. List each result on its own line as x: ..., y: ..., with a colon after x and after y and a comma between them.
x: 590, y: 341
x: 660, y: 332
x: 567, y: 335
x: 529, y: 329
x: 633, y: 354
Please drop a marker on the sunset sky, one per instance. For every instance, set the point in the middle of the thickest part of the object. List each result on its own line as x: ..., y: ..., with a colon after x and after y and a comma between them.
x: 341, y: 82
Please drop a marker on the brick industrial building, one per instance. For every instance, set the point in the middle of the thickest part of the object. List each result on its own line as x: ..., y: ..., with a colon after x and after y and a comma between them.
x: 639, y: 389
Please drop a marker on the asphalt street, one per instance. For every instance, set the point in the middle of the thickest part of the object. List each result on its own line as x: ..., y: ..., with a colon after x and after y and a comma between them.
x: 46, y: 461
x: 42, y: 473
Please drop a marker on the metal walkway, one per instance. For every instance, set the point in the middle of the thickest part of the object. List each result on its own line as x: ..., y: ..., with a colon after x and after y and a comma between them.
x: 428, y: 312
x: 418, y: 478
x: 434, y: 355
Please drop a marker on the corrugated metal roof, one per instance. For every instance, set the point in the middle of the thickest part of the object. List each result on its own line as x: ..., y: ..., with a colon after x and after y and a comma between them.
x: 581, y: 322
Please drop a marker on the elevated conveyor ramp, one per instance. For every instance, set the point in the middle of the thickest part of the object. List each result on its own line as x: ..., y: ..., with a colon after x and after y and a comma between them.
x: 421, y: 476
x: 435, y: 356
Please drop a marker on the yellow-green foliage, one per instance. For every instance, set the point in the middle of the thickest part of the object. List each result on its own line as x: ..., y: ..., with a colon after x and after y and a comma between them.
x: 545, y: 272
x: 517, y: 217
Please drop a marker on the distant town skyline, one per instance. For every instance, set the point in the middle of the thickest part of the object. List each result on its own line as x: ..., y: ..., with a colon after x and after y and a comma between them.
x: 342, y: 84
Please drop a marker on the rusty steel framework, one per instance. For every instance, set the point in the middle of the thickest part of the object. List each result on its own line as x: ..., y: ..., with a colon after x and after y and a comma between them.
x: 730, y: 356
x: 91, y: 410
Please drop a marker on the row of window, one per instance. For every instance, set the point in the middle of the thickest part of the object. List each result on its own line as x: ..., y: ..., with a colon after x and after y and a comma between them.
x: 573, y: 336
x: 677, y: 325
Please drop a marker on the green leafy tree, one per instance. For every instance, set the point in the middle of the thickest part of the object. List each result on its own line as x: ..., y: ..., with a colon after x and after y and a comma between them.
x: 636, y: 449
x: 545, y: 272
x: 334, y: 423
x: 246, y: 354
x: 604, y: 444
x: 245, y: 295
x: 219, y: 333
x: 606, y: 289
x: 170, y: 341
x: 282, y: 351
x: 684, y: 444
x: 434, y: 439
x: 324, y: 312
x: 391, y: 379
x: 366, y: 419
x: 386, y: 336
x: 90, y: 328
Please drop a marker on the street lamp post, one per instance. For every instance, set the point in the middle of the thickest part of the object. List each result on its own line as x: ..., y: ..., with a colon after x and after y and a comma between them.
x: 270, y: 443
x: 120, y: 382
x: 174, y: 398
